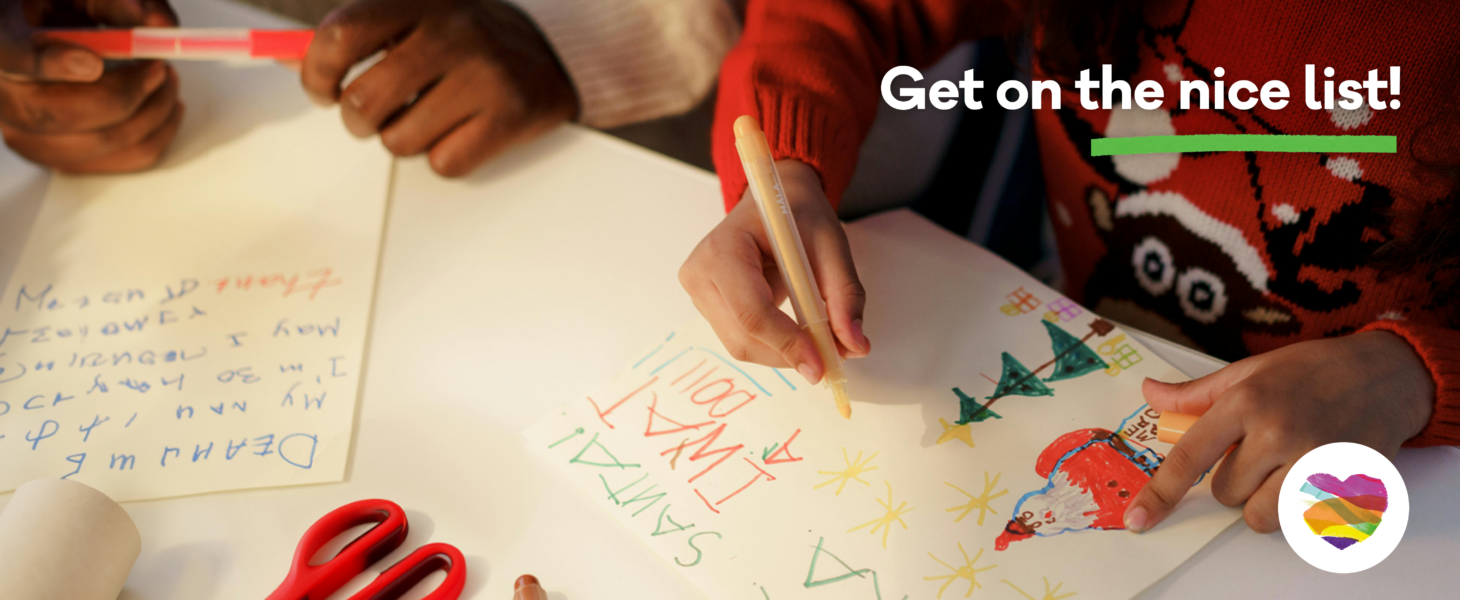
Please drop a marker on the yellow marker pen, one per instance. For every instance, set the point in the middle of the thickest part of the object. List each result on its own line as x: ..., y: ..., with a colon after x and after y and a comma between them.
x: 780, y: 227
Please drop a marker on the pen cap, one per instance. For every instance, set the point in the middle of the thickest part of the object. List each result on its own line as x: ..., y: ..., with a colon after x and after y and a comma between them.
x: 281, y: 44
x: 780, y: 225
x: 1172, y: 425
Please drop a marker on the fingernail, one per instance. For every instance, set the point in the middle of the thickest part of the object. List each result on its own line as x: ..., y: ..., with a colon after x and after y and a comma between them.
x: 805, y: 371
x: 81, y: 65
x: 1135, y: 519
x: 69, y: 64
x: 440, y: 161
x: 356, y: 100
x: 860, y: 337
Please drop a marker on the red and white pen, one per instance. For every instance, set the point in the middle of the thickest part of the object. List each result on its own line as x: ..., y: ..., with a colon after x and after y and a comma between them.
x: 188, y: 44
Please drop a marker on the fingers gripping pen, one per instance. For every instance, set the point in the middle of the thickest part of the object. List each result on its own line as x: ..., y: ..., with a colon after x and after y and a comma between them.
x: 780, y: 227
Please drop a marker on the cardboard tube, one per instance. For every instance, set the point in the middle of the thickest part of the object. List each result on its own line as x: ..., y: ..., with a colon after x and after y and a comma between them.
x: 62, y: 540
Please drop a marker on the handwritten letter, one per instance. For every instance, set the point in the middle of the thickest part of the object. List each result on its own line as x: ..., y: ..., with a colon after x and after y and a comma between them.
x: 198, y: 327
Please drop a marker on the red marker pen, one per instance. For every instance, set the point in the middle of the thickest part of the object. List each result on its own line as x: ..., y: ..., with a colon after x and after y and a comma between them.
x: 188, y: 44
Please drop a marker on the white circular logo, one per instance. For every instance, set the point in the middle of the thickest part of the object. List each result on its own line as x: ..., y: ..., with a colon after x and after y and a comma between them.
x: 1343, y: 507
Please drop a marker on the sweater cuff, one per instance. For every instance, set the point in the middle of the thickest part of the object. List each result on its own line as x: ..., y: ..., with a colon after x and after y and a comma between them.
x: 636, y: 60
x: 802, y: 129
x: 1439, y: 348
x: 805, y: 130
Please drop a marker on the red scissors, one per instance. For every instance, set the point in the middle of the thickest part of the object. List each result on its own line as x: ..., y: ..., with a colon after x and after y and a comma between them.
x: 315, y: 582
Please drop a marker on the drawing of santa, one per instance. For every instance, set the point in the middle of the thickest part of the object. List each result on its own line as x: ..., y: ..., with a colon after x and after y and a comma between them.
x: 1093, y: 475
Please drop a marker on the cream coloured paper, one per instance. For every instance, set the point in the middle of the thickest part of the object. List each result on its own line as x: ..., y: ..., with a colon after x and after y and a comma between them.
x: 198, y: 327
x: 61, y: 540
x: 749, y: 482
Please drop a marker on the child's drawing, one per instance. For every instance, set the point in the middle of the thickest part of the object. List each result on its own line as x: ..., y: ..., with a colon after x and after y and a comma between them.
x: 890, y: 515
x: 1121, y: 355
x: 802, y: 503
x: 1020, y: 302
x: 981, y: 501
x: 855, y: 468
x: 1062, y: 310
x: 813, y: 582
x: 966, y: 571
x: 951, y: 432
x: 1072, y: 358
x: 1049, y: 593
x: 1093, y: 475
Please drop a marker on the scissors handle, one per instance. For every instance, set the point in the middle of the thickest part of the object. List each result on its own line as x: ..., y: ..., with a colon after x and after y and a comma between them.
x: 306, y: 581
x: 404, y: 575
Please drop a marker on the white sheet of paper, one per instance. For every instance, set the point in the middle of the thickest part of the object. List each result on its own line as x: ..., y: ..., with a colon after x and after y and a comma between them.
x: 748, y: 480
x: 200, y: 326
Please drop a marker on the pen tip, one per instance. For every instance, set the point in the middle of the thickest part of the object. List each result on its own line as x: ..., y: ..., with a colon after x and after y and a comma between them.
x: 843, y: 403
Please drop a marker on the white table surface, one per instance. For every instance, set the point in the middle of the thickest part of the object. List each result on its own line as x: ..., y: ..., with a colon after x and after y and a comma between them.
x: 502, y: 295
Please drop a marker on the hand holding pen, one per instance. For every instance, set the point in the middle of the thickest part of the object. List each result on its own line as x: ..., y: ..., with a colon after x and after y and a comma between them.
x: 734, y: 280
x: 59, y: 104
x: 1265, y: 412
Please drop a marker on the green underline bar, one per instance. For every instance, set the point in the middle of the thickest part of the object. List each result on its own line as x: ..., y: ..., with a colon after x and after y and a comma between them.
x: 1243, y: 143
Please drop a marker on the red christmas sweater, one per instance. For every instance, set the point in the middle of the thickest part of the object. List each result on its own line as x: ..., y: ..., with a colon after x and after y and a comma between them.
x: 1234, y: 253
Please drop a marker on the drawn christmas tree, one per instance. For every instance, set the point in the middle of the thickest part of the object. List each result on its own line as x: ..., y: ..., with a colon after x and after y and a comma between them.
x: 1072, y: 358
x: 970, y: 411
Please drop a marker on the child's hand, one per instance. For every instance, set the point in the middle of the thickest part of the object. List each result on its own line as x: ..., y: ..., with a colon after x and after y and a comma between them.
x: 462, y: 79
x: 61, y: 108
x: 733, y: 280
x: 1369, y: 388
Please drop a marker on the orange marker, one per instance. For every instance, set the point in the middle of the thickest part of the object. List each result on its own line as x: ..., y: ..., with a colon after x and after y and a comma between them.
x: 1172, y: 425
x: 780, y: 228
x: 527, y: 588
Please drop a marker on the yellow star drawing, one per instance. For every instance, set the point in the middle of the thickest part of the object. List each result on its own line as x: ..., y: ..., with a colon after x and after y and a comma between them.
x: 962, y: 433
x: 967, y: 571
x: 886, y: 520
x: 1049, y: 594
x: 854, y: 470
x: 981, y: 501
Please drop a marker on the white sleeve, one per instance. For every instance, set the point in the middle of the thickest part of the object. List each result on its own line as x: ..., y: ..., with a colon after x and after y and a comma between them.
x: 636, y: 60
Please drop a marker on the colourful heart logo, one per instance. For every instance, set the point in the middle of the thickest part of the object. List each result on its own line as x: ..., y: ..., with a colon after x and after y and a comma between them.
x: 1344, y: 512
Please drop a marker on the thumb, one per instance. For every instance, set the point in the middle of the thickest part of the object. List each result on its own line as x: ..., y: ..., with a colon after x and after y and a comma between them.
x: 27, y: 58
x: 1194, y: 397
x: 1201, y: 447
